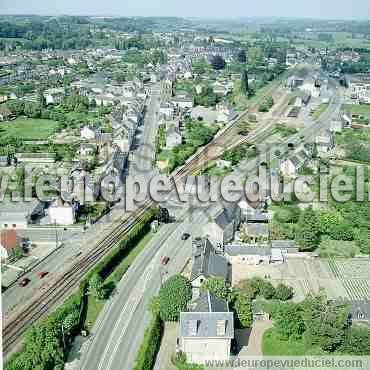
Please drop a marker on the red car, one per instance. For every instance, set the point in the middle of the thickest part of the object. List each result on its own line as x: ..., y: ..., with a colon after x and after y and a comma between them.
x: 24, y: 282
x: 164, y: 260
x: 42, y: 274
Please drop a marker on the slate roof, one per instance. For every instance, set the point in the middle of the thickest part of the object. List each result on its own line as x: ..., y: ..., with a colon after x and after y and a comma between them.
x: 208, y: 302
x: 246, y: 250
x: 119, y: 160
x: 283, y: 244
x: 206, y: 262
x: 224, y: 217
x: 257, y: 216
x: 208, y: 314
x: 296, y: 162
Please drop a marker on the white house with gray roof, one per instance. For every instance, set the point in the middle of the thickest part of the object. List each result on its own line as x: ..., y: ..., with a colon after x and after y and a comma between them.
x: 247, y: 254
x: 206, y: 330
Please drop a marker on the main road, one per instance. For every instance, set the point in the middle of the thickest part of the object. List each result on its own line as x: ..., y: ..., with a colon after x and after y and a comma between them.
x: 120, y: 329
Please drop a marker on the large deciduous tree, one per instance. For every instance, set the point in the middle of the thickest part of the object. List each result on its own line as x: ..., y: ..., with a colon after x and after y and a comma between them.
x: 217, y: 286
x: 326, y: 323
x: 243, y: 310
x: 288, y: 320
x: 283, y: 292
x: 174, y: 295
x: 96, y: 288
x: 308, y: 230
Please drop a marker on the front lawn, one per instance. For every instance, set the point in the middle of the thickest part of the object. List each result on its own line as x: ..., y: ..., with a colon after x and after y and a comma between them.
x: 273, y: 345
x: 28, y: 128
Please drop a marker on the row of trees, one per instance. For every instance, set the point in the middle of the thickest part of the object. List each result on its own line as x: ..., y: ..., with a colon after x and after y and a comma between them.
x: 46, y: 343
x: 62, y: 33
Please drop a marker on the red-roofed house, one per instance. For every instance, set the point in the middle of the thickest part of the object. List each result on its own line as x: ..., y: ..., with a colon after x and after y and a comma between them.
x: 8, y: 242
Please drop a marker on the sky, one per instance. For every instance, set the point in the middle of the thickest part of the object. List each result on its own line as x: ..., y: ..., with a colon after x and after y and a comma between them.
x: 325, y: 9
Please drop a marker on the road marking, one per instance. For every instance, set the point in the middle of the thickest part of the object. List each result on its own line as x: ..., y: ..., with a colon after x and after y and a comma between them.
x: 136, y: 300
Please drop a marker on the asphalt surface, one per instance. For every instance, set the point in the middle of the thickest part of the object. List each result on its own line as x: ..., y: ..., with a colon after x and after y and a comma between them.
x: 120, y: 330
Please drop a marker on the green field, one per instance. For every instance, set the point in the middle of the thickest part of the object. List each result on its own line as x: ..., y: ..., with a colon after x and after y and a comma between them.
x: 28, y: 128
x: 357, y: 109
x: 334, y: 248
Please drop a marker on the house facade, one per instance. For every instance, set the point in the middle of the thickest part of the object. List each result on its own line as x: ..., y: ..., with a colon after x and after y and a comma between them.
x: 206, y: 330
x: 63, y: 213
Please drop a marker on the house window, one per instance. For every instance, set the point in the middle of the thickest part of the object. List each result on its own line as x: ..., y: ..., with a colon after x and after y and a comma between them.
x: 5, y: 225
x: 14, y: 225
x: 201, y: 281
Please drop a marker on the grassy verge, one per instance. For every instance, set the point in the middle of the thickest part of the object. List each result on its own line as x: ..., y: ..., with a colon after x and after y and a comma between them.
x: 320, y: 110
x: 357, y: 109
x: 94, y: 308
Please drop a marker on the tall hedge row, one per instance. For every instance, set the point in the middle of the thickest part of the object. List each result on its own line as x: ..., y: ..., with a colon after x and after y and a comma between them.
x: 148, y: 350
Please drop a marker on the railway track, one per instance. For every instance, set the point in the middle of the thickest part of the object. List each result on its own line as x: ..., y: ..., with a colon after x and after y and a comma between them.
x: 17, y: 324
x: 60, y: 288
x: 13, y: 331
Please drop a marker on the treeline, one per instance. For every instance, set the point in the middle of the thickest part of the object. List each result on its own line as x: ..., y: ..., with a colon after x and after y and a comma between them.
x: 341, y: 221
x: 56, y: 33
x: 323, y: 326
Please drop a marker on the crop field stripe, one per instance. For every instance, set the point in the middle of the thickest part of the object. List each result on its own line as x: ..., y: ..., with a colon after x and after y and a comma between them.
x: 357, y: 289
x: 333, y: 267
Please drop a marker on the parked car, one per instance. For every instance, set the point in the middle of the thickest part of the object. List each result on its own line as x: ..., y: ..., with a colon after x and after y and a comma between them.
x: 42, y: 274
x: 164, y: 260
x: 185, y: 236
x: 24, y: 282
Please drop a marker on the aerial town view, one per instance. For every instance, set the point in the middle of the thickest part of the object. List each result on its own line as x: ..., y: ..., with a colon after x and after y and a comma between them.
x: 185, y: 185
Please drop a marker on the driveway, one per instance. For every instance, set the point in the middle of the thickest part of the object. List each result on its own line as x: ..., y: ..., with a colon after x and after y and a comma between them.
x: 254, y: 347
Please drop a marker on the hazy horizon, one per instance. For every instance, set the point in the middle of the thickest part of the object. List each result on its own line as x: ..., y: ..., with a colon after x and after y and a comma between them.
x: 315, y: 9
